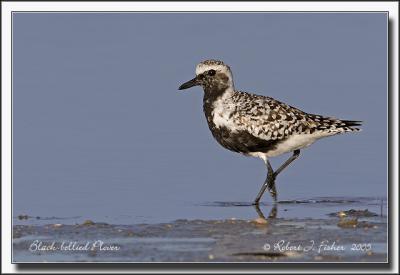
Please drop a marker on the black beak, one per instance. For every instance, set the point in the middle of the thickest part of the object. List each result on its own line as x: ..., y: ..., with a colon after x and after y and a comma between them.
x: 189, y: 84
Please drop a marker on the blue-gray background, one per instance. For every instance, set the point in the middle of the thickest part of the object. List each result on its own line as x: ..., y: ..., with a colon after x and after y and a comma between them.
x: 100, y: 129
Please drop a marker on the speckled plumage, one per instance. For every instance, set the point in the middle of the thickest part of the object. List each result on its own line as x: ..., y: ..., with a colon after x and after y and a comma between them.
x: 257, y: 125
x: 267, y: 119
x: 249, y: 123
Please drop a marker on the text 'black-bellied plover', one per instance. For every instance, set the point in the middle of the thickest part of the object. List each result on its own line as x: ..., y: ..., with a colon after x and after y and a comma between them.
x: 256, y: 125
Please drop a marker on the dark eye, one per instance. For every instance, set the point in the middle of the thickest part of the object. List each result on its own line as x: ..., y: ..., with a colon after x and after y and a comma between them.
x: 211, y: 72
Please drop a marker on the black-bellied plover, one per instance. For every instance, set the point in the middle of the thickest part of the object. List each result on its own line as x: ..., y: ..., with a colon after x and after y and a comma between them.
x: 256, y: 125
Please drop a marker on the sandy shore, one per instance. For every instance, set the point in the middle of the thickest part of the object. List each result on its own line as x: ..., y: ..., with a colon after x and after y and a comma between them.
x: 344, y: 236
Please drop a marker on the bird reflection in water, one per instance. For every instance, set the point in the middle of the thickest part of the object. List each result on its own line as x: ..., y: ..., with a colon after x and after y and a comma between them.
x: 272, y: 213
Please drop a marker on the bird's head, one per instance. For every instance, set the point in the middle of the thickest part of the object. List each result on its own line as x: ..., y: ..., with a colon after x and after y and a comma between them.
x: 211, y: 75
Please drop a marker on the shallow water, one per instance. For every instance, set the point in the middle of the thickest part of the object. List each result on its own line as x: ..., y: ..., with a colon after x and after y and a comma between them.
x: 263, y: 237
x: 316, y: 208
x: 335, y: 229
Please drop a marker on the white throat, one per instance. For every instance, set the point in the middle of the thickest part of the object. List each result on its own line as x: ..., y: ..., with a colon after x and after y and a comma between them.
x: 222, y: 108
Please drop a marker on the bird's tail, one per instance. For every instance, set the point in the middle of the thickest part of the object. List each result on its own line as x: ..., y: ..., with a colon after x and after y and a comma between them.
x: 335, y: 126
x: 349, y: 125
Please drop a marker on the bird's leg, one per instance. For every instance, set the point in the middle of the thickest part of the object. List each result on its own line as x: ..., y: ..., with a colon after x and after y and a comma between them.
x: 270, y: 180
x: 268, y: 183
x: 295, y: 155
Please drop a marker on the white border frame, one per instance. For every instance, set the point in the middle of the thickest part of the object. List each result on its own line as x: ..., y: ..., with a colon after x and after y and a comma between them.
x: 9, y: 7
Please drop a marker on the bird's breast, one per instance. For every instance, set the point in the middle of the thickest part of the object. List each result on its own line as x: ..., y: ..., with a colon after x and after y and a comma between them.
x: 231, y: 135
x: 219, y: 122
x: 219, y: 114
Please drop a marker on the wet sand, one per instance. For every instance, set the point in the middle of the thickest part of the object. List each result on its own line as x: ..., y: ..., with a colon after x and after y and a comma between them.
x: 353, y: 234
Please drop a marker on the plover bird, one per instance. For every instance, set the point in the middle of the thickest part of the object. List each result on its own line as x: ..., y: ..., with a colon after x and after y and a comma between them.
x: 256, y: 125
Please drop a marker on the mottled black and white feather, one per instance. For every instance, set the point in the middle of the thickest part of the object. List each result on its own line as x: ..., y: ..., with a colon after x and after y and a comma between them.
x: 258, y: 125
